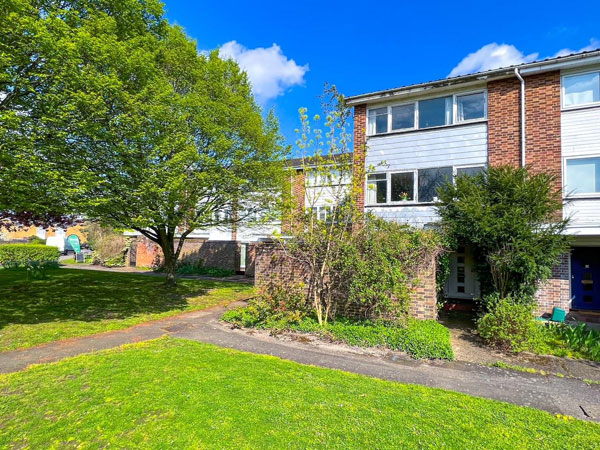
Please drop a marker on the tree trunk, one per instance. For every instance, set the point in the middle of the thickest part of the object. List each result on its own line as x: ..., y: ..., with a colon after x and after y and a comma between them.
x: 170, y: 260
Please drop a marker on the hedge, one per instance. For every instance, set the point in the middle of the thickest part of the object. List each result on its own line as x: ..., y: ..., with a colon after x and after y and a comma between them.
x: 28, y: 255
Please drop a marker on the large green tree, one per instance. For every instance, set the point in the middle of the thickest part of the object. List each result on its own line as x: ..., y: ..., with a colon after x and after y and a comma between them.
x: 139, y: 130
x: 512, y: 218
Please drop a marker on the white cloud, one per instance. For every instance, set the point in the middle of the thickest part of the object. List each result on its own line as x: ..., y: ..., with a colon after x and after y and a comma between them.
x: 593, y: 45
x: 491, y: 56
x: 270, y: 72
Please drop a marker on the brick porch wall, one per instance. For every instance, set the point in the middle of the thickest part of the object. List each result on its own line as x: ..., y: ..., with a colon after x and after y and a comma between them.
x: 360, y: 155
x: 271, y: 263
x: 555, y: 292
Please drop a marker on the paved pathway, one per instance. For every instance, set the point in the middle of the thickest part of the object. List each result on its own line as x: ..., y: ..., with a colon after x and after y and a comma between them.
x: 556, y: 395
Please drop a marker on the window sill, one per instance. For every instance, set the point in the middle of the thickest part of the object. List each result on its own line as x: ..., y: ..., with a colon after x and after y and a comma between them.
x: 582, y: 197
x: 417, y: 130
x: 396, y: 205
x: 580, y: 107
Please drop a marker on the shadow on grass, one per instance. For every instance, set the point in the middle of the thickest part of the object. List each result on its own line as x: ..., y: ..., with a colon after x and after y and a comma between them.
x: 68, y: 294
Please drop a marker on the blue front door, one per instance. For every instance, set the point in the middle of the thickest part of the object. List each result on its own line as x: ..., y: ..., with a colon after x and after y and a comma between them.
x: 585, y: 278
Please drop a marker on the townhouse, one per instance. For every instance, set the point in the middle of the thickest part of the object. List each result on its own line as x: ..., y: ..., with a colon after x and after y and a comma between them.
x: 544, y: 114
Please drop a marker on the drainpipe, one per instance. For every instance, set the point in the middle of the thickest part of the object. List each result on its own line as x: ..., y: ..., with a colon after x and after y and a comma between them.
x: 518, y: 74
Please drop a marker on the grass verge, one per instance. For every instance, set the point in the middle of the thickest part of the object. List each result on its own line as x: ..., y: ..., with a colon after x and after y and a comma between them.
x: 172, y: 393
x: 71, y: 302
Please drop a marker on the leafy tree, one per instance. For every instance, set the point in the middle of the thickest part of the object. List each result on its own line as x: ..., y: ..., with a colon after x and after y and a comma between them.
x: 45, y: 52
x: 512, y: 218
x: 133, y: 126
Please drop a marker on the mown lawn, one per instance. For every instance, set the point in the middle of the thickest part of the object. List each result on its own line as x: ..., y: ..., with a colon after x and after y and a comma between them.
x: 73, y: 302
x: 172, y: 393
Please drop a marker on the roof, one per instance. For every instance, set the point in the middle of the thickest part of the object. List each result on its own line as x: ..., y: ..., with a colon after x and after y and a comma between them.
x: 555, y: 63
x: 298, y: 163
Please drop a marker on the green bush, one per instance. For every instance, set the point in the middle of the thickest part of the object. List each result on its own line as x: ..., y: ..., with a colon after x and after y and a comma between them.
x: 35, y: 240
x: 510, y: 324
x: 109, y: 246
x: 419, y: 338
x: 198, y: 268
x: 35, y: 258
x: 581, y: 339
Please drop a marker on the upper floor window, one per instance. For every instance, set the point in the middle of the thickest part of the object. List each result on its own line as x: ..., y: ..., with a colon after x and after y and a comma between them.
x: 583, y: 176
x: 581, y: 89
x: 422, y: 114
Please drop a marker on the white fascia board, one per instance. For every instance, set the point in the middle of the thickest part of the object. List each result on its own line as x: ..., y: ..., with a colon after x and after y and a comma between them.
x: 561, y: 65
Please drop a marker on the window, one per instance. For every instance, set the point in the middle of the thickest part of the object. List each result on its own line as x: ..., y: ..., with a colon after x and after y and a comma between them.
x: 581, y: 89
x: 403, y: 186
x: 377, y: 188
x: 403, y: 117
x: 470, y: 107
x: 435, y: 112
x: 469, y: 171
x: 378, y: 120
x: 430, y: 180
x: 428, y: 113
x: 583, y: 175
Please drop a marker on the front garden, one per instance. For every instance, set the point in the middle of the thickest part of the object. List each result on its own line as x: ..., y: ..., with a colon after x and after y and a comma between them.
x: 172, y: 393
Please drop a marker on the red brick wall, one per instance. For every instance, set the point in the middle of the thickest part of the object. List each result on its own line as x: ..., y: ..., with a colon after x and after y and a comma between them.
x: 504, y: 123
x: 298, y: 189
x: 271, y: 263
x: 555, y: 292
x: 360, y: 154
x: 221, y: 254
x: 542, y: 124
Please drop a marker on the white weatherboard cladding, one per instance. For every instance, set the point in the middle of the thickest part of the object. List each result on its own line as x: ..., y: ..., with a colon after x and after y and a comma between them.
x: 448, y: 146
x: 417, y: 216
x: 580, y: 132
x: 580, y: 137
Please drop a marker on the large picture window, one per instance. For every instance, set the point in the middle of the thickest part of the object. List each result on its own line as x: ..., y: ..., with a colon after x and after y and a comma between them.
x: 435, y: 112
x: 430, y: 180
x: 581, y: 89
x: 583, y: 176
x: 403, y: 117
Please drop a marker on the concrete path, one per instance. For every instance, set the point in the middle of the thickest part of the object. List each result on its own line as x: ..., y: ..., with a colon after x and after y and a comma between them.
x: 556, y: 395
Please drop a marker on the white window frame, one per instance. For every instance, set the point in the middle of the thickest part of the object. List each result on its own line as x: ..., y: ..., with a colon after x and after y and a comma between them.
x: 566, y: 181
x: 415, y: 102
x: 415, y: 201
x: 562, y: 90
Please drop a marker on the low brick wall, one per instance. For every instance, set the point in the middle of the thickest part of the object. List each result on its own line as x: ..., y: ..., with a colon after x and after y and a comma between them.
x: 220, y: 254
x: 556, y: 291
x: 273, y: 264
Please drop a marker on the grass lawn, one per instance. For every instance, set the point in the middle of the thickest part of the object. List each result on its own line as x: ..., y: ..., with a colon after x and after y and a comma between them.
x: 172, y: 393
x: 73, y: 302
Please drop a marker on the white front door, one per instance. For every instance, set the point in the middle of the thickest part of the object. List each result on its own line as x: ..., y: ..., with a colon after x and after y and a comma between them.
x: 462, y: 282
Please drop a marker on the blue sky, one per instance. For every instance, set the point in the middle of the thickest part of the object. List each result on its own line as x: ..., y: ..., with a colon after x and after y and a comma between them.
x: 290, y: 49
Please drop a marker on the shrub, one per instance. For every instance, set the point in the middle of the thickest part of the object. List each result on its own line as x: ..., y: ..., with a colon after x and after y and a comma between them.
x: 197, y: 268
x: 583, y: 340
x: 512, y: 219
x: 36, y: 240
x: 35, y: 258
x: 276, y: 307
x: 419, y: 338
x: 109, y: 246
x: 509, y: 324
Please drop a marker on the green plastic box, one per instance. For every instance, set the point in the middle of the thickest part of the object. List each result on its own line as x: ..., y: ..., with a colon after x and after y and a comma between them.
x: 558, y: 315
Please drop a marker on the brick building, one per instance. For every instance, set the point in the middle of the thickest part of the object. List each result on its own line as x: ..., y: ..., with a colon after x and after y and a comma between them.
x: 544, y: 114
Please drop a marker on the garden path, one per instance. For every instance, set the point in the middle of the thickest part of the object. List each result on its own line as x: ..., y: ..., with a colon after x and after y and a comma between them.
x: 566, y: 396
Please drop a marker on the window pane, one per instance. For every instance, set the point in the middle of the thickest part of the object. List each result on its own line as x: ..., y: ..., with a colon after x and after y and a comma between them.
x: 583, y: 176
x: 430, y: 179
x: 469, y: 171
x: 403, y: 117
x: 435, y: 112
x: 377, y: 188
x: 378, y: 120
x: 581, y: 89
x: 403, y: 187
x: 470, y: 106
